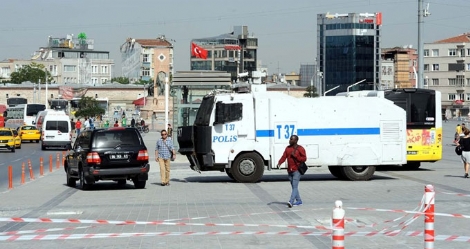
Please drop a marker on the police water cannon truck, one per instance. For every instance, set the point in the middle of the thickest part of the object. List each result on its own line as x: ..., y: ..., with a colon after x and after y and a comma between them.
x: 246, y: 133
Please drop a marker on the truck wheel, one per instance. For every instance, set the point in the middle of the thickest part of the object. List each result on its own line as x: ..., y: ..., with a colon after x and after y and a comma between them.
x: 358, y: 173
x: 247, y: 168
x: 42, y: 146
x: 229, y: 174
x: 71, y: 182
x: 412, y: 165
x: 336, y: 171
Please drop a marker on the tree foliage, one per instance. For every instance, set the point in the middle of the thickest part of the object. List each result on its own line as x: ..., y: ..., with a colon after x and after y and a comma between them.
x: 88, y: 107
x: 121, y: 80
x: 33, y: 72
x: 311, y: 92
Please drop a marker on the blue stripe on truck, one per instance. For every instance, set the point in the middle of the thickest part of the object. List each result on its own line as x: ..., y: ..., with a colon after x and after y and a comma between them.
x: 325, y: 132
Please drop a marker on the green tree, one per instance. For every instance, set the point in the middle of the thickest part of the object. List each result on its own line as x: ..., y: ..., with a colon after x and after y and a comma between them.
x: 122, y: 80
x: 88, y: 107
x: 311, y: 92
x: 33, y: 72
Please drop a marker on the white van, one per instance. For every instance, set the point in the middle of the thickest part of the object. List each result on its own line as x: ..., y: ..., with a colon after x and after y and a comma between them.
x: 55, y: 127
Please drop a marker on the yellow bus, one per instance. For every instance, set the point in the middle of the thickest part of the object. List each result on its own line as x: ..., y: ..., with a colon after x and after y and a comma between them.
x: 423, y: 123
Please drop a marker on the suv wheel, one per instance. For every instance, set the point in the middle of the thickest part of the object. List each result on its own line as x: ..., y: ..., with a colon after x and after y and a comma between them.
x: 83, y: 185
x: 139, y: 184
x: 71, y: 182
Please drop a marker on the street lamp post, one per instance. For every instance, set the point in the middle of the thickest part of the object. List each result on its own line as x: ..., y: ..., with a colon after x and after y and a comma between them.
x: 47, y: 102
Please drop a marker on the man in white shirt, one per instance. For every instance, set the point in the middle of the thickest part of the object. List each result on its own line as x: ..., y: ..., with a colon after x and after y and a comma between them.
x: 87, y: 124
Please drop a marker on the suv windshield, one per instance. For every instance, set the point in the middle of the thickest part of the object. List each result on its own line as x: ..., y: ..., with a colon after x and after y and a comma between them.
x: 204, y: 112
x: 114, y: 138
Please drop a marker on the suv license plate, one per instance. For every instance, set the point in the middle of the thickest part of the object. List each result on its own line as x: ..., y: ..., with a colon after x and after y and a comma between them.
x: 118, y: 156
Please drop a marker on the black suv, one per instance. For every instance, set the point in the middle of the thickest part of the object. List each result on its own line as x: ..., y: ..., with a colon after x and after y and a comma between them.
x: 117, y: 154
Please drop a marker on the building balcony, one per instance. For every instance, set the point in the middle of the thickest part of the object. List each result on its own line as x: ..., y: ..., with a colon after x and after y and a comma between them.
x: 146, y: 64
x: 460, y: 87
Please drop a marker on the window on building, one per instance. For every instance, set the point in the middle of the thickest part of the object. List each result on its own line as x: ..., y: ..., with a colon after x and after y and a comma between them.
x: 452, y: 81
x: 426, y: 52
x: 468, y: 66
x: 415, y: 63
x: 103, y: 80
x: 94, y: 80
x: 435, y: 53
x: 462, y: 52
x: 104, y: 69
x: 426, y: 67
x: 451, y: 96
x: 467, y: 97
x: 435, y: 82
x: 146, y: 58
x: 460, y: 80
x: 468, y: 51
x: 94, y: 69
x: 468, y: 82
x: 435, y: 67
x: 412, y: 75
x: 452, y: 52
x: 460, y: 96
x: 70, y: 68
x: 146, y: 72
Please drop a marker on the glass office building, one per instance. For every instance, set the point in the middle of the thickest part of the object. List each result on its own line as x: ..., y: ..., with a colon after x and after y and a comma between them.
x: 348, y: 50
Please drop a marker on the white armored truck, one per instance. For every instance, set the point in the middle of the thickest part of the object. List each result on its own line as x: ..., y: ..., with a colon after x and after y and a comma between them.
x: 245, y: 133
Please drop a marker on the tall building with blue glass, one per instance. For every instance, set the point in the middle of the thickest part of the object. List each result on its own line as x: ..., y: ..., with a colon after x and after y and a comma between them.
x: 348, y: 50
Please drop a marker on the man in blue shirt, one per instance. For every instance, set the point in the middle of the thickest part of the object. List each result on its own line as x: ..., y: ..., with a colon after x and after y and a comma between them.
x: 164, y: 153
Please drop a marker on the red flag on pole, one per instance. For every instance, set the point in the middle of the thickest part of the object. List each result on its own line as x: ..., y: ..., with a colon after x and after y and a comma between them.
x: 198, y: 51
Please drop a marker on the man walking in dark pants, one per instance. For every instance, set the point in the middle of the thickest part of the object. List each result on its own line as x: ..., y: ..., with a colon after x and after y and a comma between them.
x: 295, y: 155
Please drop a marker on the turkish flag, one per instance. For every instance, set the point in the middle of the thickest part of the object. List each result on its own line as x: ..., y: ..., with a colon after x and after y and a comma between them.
x: 198, y: 51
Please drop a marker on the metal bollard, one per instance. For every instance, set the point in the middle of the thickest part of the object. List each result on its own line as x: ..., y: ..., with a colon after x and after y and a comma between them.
x: 63, y: 158
x: 41, y: 166
x: 429, y: 195
x: 10, y: 177
x: 50, y: 163
x: 31, y: 172
x: 57, y: 164
x: 22, y: 173
x: 338, y: 226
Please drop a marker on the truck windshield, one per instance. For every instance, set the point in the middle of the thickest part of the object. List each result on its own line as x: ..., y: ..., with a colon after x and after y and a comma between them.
x: 203, y: 115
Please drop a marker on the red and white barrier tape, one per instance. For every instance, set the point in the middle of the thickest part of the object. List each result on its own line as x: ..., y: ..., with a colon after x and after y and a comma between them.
x: 410, y: 212
x: 153, y: 234
x: 115, y: 222
x: 44, y: 230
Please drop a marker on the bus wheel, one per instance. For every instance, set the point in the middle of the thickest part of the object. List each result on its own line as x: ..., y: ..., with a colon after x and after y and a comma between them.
x: 336, y: 171
x: 412, y: 165
x: 247, y: 168
x: 358, y: 173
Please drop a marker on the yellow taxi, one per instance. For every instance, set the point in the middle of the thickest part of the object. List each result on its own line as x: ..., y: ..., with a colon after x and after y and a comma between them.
x: 17, y: 139
x: 29, y: 133
x: 7, y: 140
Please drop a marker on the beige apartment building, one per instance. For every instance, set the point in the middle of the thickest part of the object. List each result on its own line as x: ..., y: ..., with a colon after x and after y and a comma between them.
x: 447, y: 69
x: 69, y: 60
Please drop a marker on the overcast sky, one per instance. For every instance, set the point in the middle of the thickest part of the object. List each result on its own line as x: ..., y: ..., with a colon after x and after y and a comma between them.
x: 286, y: 29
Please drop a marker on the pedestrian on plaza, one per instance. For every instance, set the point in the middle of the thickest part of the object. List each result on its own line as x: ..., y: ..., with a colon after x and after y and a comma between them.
x: 116, y: 124
x: 124, y: 122
x: 295, y: 155
x: 458, y: 130
x: 133, y: 122
x: 106, y: 124
x: 170, y: 130
x: 78, y: 126
x: 87, y: 123
x: 164, y: 153
x: 464, y: 142
x: 72, y: 123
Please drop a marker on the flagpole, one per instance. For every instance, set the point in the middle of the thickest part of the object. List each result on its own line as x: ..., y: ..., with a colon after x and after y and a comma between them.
x: 167, y: 91
x: 213, y: 58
